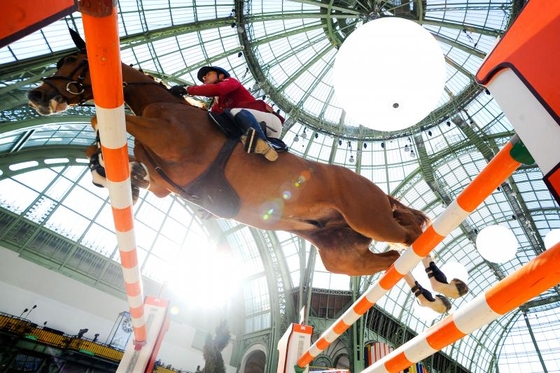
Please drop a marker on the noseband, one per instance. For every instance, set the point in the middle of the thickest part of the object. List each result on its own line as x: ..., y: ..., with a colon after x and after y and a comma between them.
x: 74, y: 86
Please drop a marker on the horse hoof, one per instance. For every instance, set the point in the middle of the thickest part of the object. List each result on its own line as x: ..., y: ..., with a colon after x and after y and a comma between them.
x: 138, y: 175
x: 454, y: 289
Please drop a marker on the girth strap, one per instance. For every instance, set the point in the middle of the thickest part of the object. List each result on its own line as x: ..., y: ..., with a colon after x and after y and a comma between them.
x: 210, y: 190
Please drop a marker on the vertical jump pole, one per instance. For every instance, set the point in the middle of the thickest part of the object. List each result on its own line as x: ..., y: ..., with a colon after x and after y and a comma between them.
x: 535, y: 277
x: 495, y: 173
x: 103, y: 50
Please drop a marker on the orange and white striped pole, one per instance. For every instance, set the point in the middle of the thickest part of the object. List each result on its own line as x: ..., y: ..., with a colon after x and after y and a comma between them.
x: 535, y: 277
x: 103, y: 50
x: 496, y: 172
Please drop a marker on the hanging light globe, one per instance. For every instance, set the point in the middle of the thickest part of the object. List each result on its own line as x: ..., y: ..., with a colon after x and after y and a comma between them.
x: 389, y: 74
x: 552, y: 238
x: 455, y: 270
x: 497, y: 244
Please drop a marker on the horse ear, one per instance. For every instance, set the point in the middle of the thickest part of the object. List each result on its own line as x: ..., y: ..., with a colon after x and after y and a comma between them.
x: 80, y: 43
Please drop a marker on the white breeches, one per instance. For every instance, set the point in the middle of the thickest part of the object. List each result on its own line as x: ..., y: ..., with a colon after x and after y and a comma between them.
x: 273, y: 123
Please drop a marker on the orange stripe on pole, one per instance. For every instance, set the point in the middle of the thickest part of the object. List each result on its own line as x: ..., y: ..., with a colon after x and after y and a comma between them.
x: 140, y: 333
x: 305, y: 359
x: 118, y: 159
x: 322, y: 343
x: 390, y: 278
x: 124, y: 221
x: 398, y: 363
x: 133, y: 289
x: 444, y: 334
x: 340, y: 327
x: 427, y: 241
x: 137, y: 312
x: 532, y: 279
x: 498, y: 169
x: 362, y: 306
x: 129, y: 259
x: 104, y: 55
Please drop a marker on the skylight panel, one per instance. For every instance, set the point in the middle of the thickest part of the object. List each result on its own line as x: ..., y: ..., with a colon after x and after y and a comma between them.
x: 132, y: 22
x: 156, y: 19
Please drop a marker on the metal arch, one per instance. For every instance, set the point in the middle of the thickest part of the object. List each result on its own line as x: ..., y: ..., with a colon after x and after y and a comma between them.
x: 62, y: 156
x: 346, y: 132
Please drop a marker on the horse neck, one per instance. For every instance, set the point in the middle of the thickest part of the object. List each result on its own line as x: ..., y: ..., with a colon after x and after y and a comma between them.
x: 141, y: 90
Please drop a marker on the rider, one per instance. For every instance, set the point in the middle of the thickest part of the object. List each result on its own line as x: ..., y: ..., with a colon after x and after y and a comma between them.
x: 249, y: 112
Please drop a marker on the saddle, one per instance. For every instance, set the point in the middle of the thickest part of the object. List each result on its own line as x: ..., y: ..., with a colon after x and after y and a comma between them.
x: 226, y: 123
x: 233, y: 130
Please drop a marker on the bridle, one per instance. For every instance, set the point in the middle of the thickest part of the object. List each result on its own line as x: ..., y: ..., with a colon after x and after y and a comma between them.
x: 75, y: 86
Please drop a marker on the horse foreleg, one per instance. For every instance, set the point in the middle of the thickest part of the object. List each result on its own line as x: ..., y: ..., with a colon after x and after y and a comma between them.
x: 96, y: 166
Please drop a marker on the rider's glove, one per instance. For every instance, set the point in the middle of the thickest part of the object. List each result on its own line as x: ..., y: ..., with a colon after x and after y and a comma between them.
x: 178, y: 90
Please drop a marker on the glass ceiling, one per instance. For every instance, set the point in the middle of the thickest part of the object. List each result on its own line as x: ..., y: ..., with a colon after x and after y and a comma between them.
x: 283, y: 51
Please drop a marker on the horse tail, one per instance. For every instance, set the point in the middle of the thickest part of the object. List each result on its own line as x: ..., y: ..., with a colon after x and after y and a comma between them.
x: 409, y: 217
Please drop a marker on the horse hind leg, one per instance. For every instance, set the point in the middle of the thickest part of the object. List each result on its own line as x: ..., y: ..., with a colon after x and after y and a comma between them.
x: 413, y: 221
x: 439, y: 303
x: 455, y: 288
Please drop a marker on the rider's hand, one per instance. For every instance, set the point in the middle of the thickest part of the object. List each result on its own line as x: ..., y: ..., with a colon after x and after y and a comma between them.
x: 178, y: 90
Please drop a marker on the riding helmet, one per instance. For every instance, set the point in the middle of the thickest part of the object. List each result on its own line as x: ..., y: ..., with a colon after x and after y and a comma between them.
x: 204, y: 70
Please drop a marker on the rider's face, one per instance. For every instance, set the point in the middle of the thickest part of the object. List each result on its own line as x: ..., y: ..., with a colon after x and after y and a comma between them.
x: 210, y: 78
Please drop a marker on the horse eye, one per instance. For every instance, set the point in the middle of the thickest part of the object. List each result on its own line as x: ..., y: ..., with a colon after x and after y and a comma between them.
x: 63, y: 60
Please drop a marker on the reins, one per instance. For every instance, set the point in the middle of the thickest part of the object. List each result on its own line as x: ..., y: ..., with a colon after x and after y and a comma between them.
x: 76, y: 87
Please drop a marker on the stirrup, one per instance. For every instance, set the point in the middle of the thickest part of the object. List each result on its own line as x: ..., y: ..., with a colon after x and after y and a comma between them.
x: 252, y: 143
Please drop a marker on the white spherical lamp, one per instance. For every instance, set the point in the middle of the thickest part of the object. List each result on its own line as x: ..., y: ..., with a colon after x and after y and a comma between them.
x: 389, y: 74
x: 497, y: 244
x: 455, y: 270
x: 552, y: 238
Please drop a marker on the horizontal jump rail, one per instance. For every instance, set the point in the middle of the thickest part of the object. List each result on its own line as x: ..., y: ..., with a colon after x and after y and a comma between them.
x: 535, y: 277
x: 495, y: 173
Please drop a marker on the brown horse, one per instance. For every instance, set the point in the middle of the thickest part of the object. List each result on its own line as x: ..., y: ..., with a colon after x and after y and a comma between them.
x: 337, y: 210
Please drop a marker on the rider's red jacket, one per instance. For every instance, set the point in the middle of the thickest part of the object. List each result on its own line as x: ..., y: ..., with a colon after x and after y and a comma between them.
x: 230, y: 94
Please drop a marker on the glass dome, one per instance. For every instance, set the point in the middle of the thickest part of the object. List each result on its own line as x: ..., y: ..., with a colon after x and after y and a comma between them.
x: 284, y: 52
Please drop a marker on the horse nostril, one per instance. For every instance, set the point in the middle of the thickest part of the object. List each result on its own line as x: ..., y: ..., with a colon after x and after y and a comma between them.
x: 34, y: 95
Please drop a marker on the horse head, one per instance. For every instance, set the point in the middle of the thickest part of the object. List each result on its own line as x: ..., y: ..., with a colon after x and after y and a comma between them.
x: 70, y: 85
